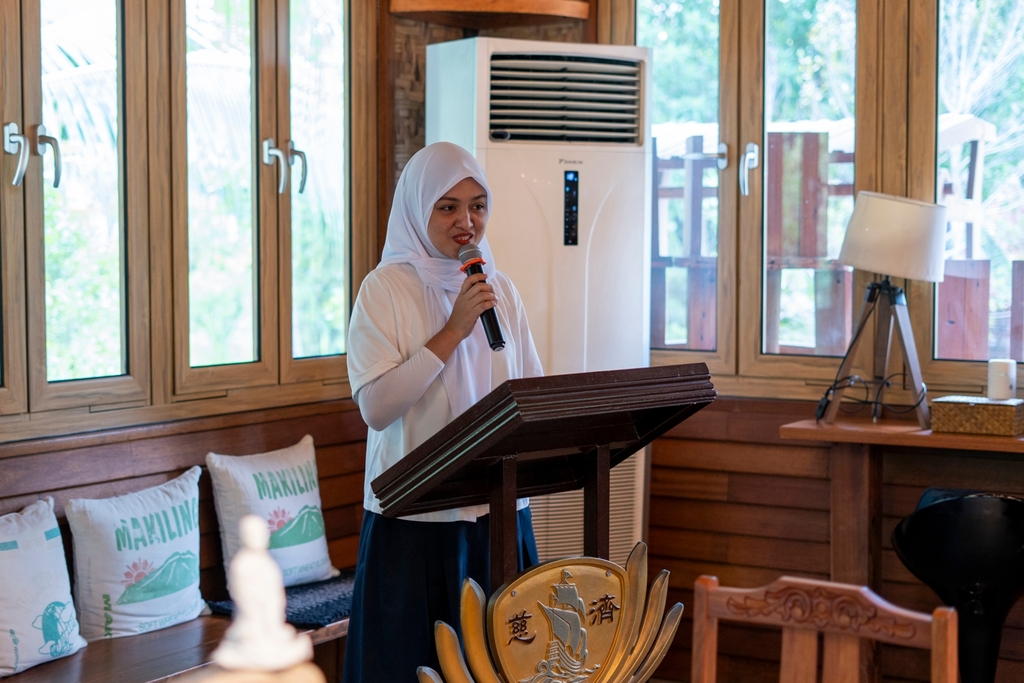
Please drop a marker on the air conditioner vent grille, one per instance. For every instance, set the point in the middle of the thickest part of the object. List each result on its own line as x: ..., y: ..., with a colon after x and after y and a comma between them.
x: 565, y: 98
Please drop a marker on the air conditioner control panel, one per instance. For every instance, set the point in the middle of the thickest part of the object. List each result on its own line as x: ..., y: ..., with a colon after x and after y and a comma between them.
x: 570, y: 224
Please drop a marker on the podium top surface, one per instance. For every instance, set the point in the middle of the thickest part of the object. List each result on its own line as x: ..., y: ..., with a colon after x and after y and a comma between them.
x: 551, y: 426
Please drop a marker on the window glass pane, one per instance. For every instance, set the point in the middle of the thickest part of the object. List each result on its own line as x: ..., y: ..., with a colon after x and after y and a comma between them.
x: 318, y: 226
x: 809, y: 128
x: 981, y: 179
x: 684, y: 275
x: 221, y: 235
x: 82, y: 222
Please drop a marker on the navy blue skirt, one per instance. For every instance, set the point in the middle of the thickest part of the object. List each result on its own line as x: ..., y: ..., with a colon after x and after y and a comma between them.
x: 409, y: 575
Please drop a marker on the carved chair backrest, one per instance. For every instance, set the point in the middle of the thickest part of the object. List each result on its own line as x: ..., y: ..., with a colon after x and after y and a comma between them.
x: 802, y: 608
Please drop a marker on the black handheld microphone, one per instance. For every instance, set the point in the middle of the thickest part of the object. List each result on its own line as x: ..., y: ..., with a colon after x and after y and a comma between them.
x: 472, y: 260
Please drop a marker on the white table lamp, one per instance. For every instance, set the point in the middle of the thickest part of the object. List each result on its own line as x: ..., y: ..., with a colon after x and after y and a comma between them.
x: 894, y: 237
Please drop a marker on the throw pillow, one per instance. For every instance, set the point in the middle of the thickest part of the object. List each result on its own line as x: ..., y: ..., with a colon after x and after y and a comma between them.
x: 37, y: 617
x: 137, y: 559
x: 281, y: 487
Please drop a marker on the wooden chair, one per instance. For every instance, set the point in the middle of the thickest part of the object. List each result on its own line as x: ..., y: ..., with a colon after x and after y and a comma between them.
x: 845, y: 614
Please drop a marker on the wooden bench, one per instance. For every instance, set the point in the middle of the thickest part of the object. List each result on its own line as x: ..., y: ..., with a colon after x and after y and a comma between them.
x: 114, y: 462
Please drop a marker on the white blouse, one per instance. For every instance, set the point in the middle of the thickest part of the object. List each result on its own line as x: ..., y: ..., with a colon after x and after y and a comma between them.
x: 397, y: 381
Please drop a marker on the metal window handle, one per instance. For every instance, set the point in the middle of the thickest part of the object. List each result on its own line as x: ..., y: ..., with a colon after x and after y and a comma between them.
x: 722, y: 156
x: 42, y: 142
x: 16, y: 143
x: 292, y: 154
x: 269, y: 153
x: 749, y: 160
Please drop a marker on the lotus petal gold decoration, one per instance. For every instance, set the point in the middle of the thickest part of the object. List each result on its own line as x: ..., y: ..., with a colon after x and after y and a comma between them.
x: 576, y: 620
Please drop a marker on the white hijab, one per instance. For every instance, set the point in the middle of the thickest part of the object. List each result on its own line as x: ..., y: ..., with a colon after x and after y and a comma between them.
x: 430, y: 173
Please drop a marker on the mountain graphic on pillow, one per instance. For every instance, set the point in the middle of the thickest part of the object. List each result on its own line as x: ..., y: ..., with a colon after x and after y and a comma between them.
x: 307, y: 526
x: 179, y: 571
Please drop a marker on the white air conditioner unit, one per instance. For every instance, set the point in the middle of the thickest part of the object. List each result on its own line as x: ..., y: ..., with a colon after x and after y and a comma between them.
x: 562, y: 132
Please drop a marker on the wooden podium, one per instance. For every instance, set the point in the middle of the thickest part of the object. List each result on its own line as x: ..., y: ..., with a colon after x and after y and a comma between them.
x: 543, y: 435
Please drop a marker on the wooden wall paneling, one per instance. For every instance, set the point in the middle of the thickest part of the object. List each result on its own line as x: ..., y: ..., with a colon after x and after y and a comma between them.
x: 746, y: 641
x: 676, y: 666
x: 750, y: 458
x: 738, y: 487
x: 731, y: 500
x: 996, y: 472
x: 559, y: 32
x: 770, y: 553
x: 748, y: 520
x: 746, y: 421
x: 345, y: 411
x: 13, y: 381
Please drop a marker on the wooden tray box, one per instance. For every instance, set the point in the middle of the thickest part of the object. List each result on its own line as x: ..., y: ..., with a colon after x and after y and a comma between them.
x: 978, y: 415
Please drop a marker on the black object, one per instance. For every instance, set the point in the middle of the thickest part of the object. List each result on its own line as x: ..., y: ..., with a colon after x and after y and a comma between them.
x: 970, y: 550
x: 472, y: 255
x: 311, y: 605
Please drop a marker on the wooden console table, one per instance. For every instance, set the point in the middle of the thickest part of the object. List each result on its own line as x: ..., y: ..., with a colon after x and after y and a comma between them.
x: 855, y: 465
x: 856, y: 446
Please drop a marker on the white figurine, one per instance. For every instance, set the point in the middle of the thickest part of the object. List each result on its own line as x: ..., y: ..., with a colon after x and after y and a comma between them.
x: 258, y: 638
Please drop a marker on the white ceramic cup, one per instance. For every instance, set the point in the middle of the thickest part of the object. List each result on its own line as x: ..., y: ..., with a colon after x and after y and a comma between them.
x: 1002, y: 379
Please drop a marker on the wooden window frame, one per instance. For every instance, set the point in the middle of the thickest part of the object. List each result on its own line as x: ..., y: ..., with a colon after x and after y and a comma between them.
x: 190, y: 380
x: 923, y: 21
x: 323, y: 368
x: 740, y: 364
x: 13, y: 397
x: 816, y: 372
x: 721, y: 361
x: 153, y: 24
x: 133, y: 386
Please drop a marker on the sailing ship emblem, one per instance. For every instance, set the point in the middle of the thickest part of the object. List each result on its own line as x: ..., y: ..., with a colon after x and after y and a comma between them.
x: 567, y: 646
x: 512, y: 637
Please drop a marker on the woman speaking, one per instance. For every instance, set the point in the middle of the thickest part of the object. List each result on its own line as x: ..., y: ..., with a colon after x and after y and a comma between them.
x: 417, y: 358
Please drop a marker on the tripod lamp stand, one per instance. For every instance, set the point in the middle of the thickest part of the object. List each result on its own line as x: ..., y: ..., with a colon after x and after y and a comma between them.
x: 895, y: 237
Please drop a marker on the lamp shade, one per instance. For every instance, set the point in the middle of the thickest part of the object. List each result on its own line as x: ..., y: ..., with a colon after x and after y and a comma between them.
x: 896, y: 236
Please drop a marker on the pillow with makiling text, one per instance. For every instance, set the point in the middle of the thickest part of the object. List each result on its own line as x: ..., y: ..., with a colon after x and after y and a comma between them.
x: 282, y: 488
x: 37, y: 617
x: 137, y: 559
